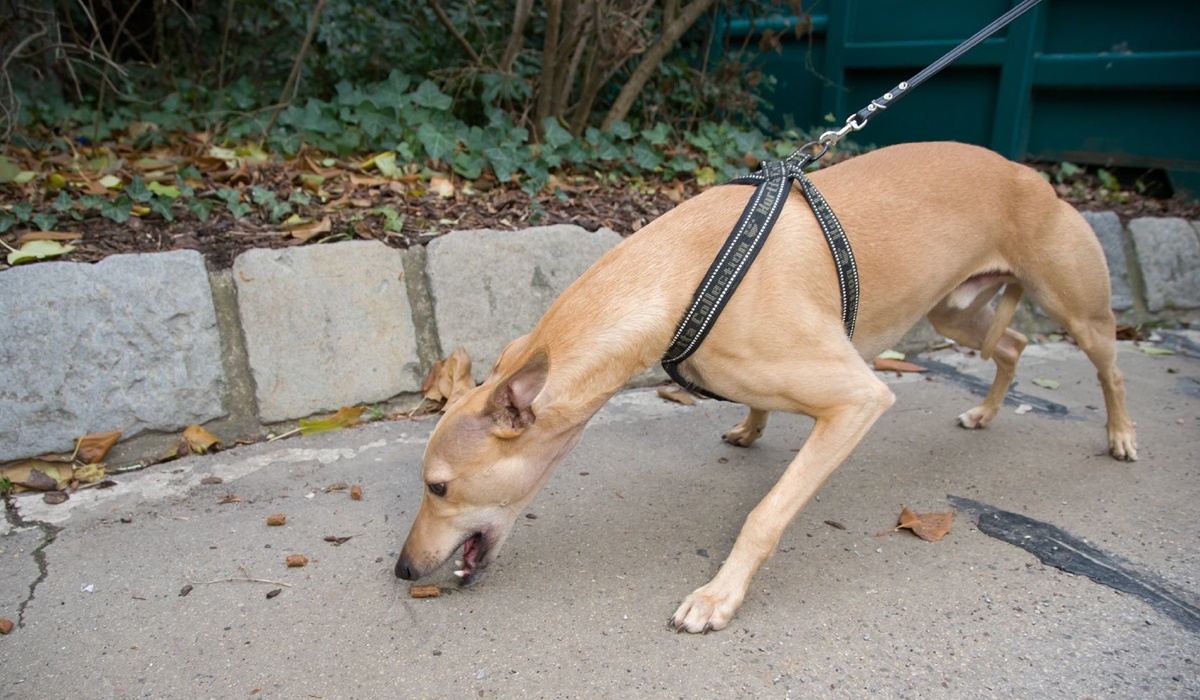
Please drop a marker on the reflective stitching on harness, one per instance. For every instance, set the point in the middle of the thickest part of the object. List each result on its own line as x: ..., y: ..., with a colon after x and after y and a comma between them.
x: 760, y: 193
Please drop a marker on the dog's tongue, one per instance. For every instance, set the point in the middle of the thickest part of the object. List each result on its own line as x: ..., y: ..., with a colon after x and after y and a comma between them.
x: 470, y: 552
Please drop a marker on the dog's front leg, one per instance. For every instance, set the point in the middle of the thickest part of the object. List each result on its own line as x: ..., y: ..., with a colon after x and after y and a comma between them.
x: 862, y: 398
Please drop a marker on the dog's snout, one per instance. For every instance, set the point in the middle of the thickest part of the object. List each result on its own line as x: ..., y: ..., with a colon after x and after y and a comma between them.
x: 405, y: 569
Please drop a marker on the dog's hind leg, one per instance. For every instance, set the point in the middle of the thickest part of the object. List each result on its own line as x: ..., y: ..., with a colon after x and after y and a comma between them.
x: 1073, y: 289
x: 750, y: 429
x: 845, y: 402
x: 973, y: 326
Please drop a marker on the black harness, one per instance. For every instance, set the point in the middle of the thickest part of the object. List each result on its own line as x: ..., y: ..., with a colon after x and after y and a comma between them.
x: 773, y: 183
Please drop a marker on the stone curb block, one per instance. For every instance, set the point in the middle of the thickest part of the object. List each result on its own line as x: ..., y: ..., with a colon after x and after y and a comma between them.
x: 1169, y: 250
x: 326, y: 326
x: 482, y: 302
x: 129, y: 343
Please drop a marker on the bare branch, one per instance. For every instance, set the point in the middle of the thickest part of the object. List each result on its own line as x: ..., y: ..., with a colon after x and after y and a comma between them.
x: 293, y: 81
x: 449, y: 25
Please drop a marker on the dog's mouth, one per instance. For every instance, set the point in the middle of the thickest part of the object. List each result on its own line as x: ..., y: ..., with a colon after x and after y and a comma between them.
x: 474, y: 559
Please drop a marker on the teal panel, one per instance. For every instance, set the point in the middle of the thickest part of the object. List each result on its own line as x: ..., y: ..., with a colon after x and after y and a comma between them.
x: 930, y: 20
x: 1116, y: 127
x: 1120, y: 26
x: 1092, y: 81
x: 957, y: 105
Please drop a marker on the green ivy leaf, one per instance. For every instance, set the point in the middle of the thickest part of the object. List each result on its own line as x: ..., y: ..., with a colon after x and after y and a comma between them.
x: 261, y: 196
x: 646, y: 157
x: 503, y: 160
x: 200, y: 208
x: 622, y: 131
x: 137, y: 191
x: 22, y: 210
x: 373, y: 123
x: 162, y: 207
x: 437, y: 143
x: 7, y: 221
x: 469, y: 164
x: 556, y: 135
x: 428, y: 95
x: 45, y: 221
x: 116, y: 210
x: 659, y: 135
x: 63, y: 202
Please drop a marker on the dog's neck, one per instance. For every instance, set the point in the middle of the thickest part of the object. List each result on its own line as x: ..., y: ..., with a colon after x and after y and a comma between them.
x: 605, y: 329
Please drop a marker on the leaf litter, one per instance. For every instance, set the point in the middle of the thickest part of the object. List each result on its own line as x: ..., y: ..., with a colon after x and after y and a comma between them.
x: 930, y: 527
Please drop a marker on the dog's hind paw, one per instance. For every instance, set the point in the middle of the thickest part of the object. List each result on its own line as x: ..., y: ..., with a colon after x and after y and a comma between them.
x: 704, y: 611
x: 975, y: 418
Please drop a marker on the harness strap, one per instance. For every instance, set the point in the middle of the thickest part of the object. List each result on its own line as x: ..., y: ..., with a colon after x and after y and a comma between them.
x: 773, y: 183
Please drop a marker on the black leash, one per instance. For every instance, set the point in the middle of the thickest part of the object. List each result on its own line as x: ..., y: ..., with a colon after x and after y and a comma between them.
x: 773, y: 183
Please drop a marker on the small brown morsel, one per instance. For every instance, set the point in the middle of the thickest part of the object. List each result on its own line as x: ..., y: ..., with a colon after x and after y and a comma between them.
x: 430, y: 591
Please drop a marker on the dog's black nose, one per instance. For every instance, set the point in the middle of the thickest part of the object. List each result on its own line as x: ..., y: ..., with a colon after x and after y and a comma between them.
x: 405, y: 570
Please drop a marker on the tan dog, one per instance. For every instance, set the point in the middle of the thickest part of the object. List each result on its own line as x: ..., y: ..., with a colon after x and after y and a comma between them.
x: 937, y: 228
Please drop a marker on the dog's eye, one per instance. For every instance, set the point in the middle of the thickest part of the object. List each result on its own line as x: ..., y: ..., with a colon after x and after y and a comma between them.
x: 438, y: 489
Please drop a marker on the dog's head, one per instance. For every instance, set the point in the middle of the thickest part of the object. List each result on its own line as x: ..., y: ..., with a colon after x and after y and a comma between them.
x: 485, y: 461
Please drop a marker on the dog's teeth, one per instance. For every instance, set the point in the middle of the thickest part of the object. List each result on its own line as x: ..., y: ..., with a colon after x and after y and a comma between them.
x: 460, y: 573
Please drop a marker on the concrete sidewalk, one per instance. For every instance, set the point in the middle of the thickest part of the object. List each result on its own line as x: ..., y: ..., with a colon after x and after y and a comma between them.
x: 641, y: 513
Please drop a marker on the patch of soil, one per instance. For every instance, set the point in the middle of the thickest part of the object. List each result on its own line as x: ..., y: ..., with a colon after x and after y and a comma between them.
x: 351, y: 205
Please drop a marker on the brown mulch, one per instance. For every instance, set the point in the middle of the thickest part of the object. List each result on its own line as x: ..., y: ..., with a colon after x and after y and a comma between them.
x: 350, y: 203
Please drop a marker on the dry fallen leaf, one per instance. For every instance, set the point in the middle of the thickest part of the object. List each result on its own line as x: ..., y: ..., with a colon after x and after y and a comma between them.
x: 450, y: 378
x: 230, y: 498
x: 344, y: 418
x: 89, y: 473
x: 294, y: 560
x: 442, y: 187
x: 276, y: 519
x: 272, y: 593
x: 38, y: 475
x: 55, y: 497
x: 185, y: 590
x: 90, y: 449
x: 200, y: 440
x: 209, y: 480
x: 885, y: 364
x: 337, y: 541
x: 307, y: 231
x: 677, y: 394
x: 6, y: 625
x: 930, y: 527
x: 48, y: 236
x: 356, y: 492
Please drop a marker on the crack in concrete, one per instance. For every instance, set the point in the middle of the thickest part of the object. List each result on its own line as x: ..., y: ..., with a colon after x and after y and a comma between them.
x: 49, y: 535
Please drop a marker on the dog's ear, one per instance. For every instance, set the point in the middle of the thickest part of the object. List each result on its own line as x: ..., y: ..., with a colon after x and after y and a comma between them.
x: 511, y: 402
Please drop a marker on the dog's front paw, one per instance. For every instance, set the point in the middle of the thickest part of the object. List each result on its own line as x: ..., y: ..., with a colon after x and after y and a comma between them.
x: 750, y: 429
x: 1123, y: 445
x: 705, y: 610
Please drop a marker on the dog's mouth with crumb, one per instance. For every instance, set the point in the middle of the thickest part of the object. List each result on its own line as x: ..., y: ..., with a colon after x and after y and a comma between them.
x: 474, y: 560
